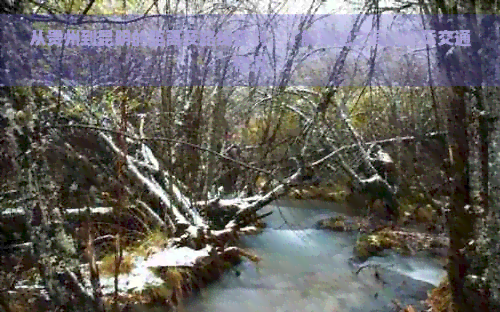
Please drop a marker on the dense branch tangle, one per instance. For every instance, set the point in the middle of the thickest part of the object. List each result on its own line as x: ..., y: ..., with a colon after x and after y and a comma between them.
x: 160, y: 193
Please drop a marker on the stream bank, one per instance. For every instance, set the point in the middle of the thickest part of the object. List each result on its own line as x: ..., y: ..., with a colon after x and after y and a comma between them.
x: 307, y: 269
x: 295, y: 267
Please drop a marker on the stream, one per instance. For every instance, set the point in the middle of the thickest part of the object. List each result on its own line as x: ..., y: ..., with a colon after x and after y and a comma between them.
x: 307, y: 269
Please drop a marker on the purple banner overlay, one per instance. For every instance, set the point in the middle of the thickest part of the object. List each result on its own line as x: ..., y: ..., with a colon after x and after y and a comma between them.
x: 249, y: 50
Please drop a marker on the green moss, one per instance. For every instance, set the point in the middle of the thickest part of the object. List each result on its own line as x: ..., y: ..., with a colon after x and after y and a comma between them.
x: 372, y: 244
x: 336, y: 224
x: 227, y: 265
x: 334, y: 193
x: 367, y: 246
x: 404, y: 250
x: 416, y: 206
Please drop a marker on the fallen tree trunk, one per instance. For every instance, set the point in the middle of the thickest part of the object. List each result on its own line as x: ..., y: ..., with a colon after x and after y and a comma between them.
x: 375, y: 188
x: 149, y: 188
x: 382, y: 143
x: 13, y: 225
x: 71, y: 214
x: 192, y: 228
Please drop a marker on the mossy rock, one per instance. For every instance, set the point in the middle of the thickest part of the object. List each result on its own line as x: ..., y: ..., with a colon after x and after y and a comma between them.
x: 336, y: 196
x: 373, y: 244
x: 367, y: 246
x: 404, y: 250
x: 321, y: 192
x: 337, y: 224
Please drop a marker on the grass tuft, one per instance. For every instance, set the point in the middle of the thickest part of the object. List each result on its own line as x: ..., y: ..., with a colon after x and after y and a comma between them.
x: 107, y: 266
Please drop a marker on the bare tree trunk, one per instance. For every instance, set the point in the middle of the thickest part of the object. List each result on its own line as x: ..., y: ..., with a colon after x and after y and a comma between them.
x: 219, y: 123
x: 188, y: 158
x: 460, y: 221
x: 483, y: 141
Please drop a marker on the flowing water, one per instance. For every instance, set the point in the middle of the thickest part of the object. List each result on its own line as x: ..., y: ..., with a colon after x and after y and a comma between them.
x: 306, y: 269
